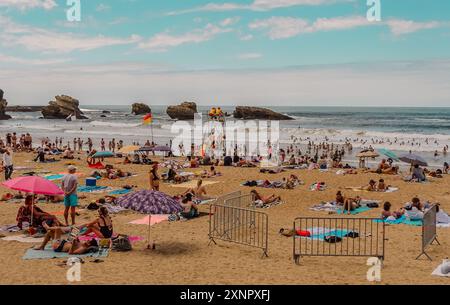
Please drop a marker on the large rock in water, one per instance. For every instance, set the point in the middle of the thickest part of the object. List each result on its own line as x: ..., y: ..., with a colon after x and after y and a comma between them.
x: 139, y: 108
x: 185, y: 111
x: 62, y: 107
x: 257, y: 113
x: 3, y: 104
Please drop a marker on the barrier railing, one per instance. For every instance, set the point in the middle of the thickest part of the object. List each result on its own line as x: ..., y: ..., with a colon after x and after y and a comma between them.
x: 429, y: 231
x: 316, y: 236
x: 233, y: 223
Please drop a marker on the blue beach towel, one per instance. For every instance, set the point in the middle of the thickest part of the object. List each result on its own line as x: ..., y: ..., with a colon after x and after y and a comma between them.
x: 120, y: 192
x: 354, y: 212
x: 54, y: 177
x: 401, y: 220
x: 91, y: 189
x: 48, y: 253
x: 338, y: 233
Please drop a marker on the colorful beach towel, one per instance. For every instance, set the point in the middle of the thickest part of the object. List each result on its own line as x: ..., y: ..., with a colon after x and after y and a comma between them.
x: 193, y: 184
x: 120, y: 192
x: 54, y: 177
x: 48, y: 253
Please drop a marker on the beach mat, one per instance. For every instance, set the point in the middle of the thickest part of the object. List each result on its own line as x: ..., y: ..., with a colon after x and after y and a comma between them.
x: 24, y: 239
x: 401, y: 220
x: 48, y: 253
x: 61, y: 212
x: 9, y: 228
x: 92, y: 189
x: 355, y: 211
x: 155, y: 220
x: 193, y: 184
x: 120, y: 192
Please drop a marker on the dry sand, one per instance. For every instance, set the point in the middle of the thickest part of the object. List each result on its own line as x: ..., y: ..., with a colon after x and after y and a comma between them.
x: 184, y: 257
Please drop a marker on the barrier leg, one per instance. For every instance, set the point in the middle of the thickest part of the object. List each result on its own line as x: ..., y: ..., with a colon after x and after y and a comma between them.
x: 424, y: 253
x: 297, y: 259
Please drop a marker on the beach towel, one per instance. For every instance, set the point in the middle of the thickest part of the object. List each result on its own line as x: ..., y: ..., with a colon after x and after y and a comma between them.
x: 358, y: 189
x: 48, y: 253
x: 54, y: 177
x: 155, y: 220
x: 120, y: 192
x: 401, y: 220
x: 206, y: 201
x: 23, y: 239
x: 132, y: 239
x: 325, y: 206
x: 10, y: 228
x: 193, y: 184
x: 318, y: 187
x: 319, y: 233
x: 114, y: 209
x: 355, y: 211
x: 92, y: 189
x: 61, y: 212
x: 439, y: 269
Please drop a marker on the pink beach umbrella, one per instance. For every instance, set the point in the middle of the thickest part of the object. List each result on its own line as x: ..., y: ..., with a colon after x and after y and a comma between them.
x: 33, y: 185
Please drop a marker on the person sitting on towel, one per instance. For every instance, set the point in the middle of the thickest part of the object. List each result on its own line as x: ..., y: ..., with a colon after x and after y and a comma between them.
x: 386, y: 213
x: 102, y: 226
x: 351, y: 204
x: 265, y: 199
x: 416, y: 211
x: 340, y: 200
x: 24, y: 213
x: 382, y: 187
x: 199, y: 191
x: 190, y: 208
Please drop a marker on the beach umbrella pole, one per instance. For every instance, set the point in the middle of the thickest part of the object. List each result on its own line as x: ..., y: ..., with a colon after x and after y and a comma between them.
x: 149, y: 227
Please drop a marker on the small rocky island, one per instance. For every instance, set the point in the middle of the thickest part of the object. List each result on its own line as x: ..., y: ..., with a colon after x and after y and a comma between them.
x: 184, y: 111
x: 3, y: 104
x: 63, y: 107
x: 140, y: 108
x: 258, y: 113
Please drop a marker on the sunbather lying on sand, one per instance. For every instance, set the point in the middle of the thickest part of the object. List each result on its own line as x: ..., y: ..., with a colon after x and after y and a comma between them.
x: 265, y: 199
x: 199, y: 192
x: 211, y: 173
x: 64, y: 245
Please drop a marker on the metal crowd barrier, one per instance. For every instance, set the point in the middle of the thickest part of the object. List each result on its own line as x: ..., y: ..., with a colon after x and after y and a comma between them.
x: 429, y: 231
x: 359, y: 237
x: 234, y: 221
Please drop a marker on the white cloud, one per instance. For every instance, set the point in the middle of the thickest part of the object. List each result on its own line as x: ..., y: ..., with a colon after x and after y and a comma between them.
x: 230, y: 21
x: 32, y: 62
x: 286, y: 27
x: 29, y: 4
x: 256, y: 5
x: 402, y: 27
x: 246, y: 56
x: 46, y: 41
x: 163, y: 41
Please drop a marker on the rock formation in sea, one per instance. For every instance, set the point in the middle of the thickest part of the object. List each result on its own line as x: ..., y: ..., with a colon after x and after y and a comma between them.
x: 258, y: 113
x: 184, y: 111
x: 3, y: 104
x: 62, y: 107
x: 140, y: 108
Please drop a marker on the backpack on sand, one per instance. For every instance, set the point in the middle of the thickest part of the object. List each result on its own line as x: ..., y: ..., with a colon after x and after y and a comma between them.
x: 121, y: 243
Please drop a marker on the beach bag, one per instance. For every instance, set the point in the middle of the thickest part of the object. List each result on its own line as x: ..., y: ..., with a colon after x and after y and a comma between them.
x: 332, y: 239
x: 372, y: 205
x: 121, y: 243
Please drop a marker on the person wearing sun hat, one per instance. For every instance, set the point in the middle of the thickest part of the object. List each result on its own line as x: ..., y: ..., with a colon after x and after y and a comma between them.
x: 69, y: 186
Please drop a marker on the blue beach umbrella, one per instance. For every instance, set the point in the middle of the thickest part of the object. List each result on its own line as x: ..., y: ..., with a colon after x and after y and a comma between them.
x: 389, y: 154
x: 103, y: 154
x: 413, y: 159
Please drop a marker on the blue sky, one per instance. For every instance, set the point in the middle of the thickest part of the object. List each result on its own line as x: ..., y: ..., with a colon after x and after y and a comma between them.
x: 290, y: 52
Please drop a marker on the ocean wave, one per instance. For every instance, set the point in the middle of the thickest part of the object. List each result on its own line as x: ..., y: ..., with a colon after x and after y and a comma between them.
x: 118, y: 125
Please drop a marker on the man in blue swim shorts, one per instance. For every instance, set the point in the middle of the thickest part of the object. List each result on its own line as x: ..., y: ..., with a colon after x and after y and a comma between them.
x: 69, y: 186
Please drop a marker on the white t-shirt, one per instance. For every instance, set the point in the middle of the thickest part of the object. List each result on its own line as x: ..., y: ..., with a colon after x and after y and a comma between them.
x: 7, y: 159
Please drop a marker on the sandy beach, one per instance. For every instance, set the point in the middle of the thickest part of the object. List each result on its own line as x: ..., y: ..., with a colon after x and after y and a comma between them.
x: 183, y: 256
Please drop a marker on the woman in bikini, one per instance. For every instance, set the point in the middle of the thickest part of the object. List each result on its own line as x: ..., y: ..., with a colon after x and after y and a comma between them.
x: 265, y: 199
x: 199, y: 191
x: 154, y: 177
x: 102, y: 226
